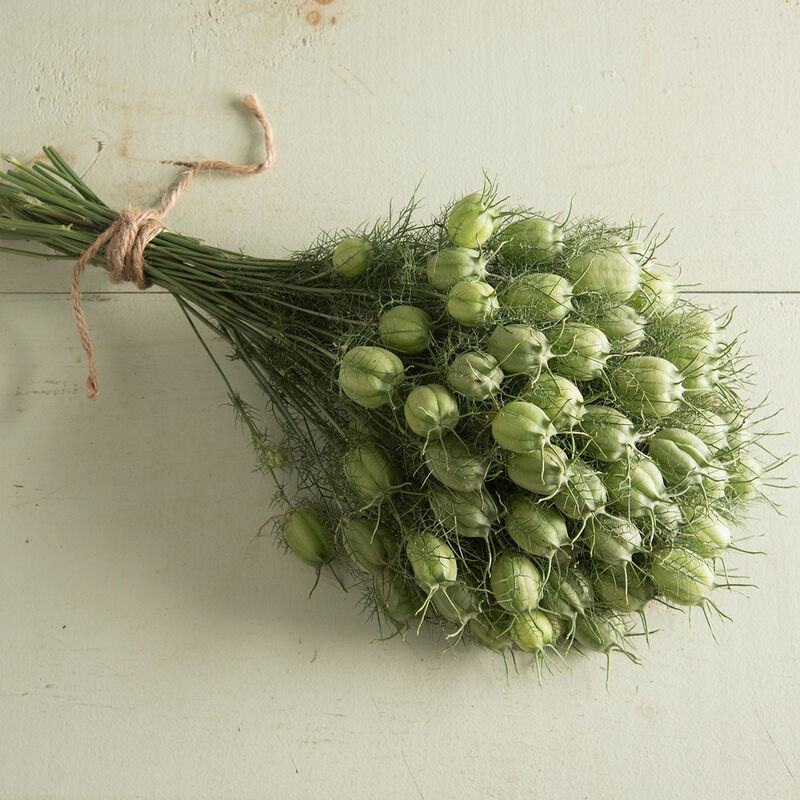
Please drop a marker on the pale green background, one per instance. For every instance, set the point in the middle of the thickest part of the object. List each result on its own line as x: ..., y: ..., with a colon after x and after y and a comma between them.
x: 151, y: 646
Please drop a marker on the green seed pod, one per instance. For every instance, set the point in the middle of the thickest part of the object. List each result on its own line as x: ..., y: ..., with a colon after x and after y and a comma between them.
x: 469, y: 514
x: 456, y: 603
x: 647, y: 386
x: 430, y: 410
x: 577, y: 351
x: 709, y: 534
x: 600, y: 634
x: 308, y: 537
x: 393, y: 597
x: 690, y: 321
x: 630, y: 246
x: 559, y: 398
x: 472, y: 303
x: 623, y: 592
x: 364, y: 543
x: 612, y: 539
x: 406, y: 329
x: 655, y: 294
x: 569, y: 592
x: 522, y: 427
x: 714, y: 480
x: 474, y: 375
x: 543, y: 472
x: 611, y: 273
x: 533, y: 239
x: 452, y: 464
x: 691, y: 343
x: 533, y: 631
x: 453, y: 264
x: 708, y: 427
x: 370, y: 473
x: 535, y: 527
x: 738, y: 434
x: 352, y: 257
x: 370, y: 376
x: 744, y: 484
x: 491, y: 629
x: 623, y: 327
x: 583, y: 492
x: 611, y: 434
x: 635, y: 488
x: 696, y: 358
x: 519, y: 349
x: 539, y: 296
x: 683, y: 577
x: 432, y: 560
x: 515, y: 583
x: 680, y: 456
x: 471, y: 221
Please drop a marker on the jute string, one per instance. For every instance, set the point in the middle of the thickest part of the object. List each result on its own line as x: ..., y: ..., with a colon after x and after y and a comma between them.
x: 127, y: 237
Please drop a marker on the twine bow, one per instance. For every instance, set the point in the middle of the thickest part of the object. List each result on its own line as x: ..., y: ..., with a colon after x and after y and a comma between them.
x: 127, y: 237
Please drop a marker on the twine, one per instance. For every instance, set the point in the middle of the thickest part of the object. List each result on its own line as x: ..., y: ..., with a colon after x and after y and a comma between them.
x: 127, y: 237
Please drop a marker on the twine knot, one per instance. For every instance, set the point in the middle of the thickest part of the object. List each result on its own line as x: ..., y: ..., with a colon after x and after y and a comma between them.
x: 133, y: 231
x: 125, y: 240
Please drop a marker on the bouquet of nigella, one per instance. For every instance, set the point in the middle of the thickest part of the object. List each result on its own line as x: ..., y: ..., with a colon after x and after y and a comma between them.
x: 509, y: 426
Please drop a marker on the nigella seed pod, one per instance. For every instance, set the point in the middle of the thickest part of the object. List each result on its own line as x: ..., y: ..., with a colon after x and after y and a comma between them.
x: 456, y: 603
x: 308, y: 537
x: 453, y: 264
x: 370, y: 376
x: 516, y: 583
x: 599, y: 633
x: 522, y: 427
x: 647, y: 386
x: 707, y: 426
x: 432, y: 560
x: 583, y: 492
x: 451, y: 463
x: 406, y: 329
x: 470, y: 514
x: 532, y: 239
x: 611, y: 435
x: 559, y: 398
x: 533, y: 631
x: 624, y: 328
x: 474, y: 375
x: 612, y: 539
x: 363, y: 541
x: 539, y: 297
x: 611, y: 273
x: 471, y: 221
x: 491, y: 629
x: 635, y: 487
x: 352, y: 257
x: 370, y: 473
x: 394, y: 598
x: 519, y: 349
x: 682, y: 576
x: 623, y: 590
x: 680, y: 456
x: 744, y: 484
x: 656, y: 293
x: 708, y: 533
x: 535, y: 527
x: 543, y: 472
x: 578, y: 351
x: 430, y: 410
x: 569, y: 592
x: 472, y: 303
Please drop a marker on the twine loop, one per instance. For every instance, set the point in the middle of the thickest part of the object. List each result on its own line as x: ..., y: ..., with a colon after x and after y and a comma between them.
x: 125, y: 240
